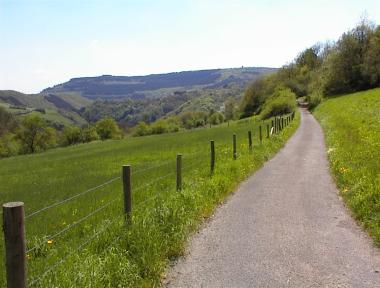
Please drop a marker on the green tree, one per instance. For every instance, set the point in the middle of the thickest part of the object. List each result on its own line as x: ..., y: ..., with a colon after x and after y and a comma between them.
x: 8, y: 145
x: 35, y: 135
x: 230, y: 109
x: 216, y: 118
x: 282, y: 101
x: 88, y: 134
x: 71, y: 135
x: 107, y: 128
x: 7, y: 122
x: 371, y: 63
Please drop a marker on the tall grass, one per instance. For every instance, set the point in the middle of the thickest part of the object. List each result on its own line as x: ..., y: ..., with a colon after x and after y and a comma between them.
x: 102, y: 251
x: 352, y: 128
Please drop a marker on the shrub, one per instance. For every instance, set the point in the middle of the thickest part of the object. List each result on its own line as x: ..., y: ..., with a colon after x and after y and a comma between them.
x: 282, y: 101
x: 8, y: 145
x: 314, y: 99
x: 216, y: 118
x: 142, y: 129
x: 107, y: 128
x: 71, y: 135
x: 88, y: 134
x: 159, y: 127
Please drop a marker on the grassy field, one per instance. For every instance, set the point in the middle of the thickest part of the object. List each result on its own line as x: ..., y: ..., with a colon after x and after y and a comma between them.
x: 84, y: 242
x: 352, y: 128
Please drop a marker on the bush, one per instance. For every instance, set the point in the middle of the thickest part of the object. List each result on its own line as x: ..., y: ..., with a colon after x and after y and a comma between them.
x: 88, y: 134
x: 142, y: 129
x: 216, y: 118
x: 107, y: 128
x: 71, y: 135
x: 314, y: 99
x: 8, y: 145
x: 159, y: 127
x: 283, y: 101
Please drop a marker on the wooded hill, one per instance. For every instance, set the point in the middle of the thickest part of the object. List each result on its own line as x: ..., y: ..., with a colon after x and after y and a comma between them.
x: 156, y: 85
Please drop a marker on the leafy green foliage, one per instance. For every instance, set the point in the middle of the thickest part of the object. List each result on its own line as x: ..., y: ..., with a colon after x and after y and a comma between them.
x: 350, y: 64
x: 216, y: 118
x: 71, y: 135
x: 34, y: 134
x: 283, y: 101
x: 7, y: 122
x: 352, y: 127
x: 107, y: 128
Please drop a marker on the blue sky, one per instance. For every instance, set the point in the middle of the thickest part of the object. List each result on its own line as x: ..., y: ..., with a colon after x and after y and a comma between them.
x: 43, y: 43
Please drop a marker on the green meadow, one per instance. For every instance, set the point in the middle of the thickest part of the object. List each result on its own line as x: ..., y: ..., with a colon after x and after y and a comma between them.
x: 352, y: 129
x: 82, y: 240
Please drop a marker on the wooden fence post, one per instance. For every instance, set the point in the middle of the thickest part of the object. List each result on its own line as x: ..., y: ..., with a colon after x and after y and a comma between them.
x: 127, y: 188
x: 179, y: 172
x: 278, y: 125
x: 14, y: 236
x: 267, y: 130
x: 212, y: 163
x: 250, y: 140
x: 261, y: 135
x: 234, y: 146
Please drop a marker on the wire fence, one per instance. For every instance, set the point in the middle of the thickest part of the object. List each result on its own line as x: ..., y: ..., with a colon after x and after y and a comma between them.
x: 195, y: 162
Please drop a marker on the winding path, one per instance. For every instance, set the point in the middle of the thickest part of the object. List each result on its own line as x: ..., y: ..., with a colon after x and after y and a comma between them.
x: 284, y: 227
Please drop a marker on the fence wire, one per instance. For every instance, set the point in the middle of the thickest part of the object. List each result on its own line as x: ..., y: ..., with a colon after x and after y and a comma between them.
x: 72, y: 197
x: 79, y: 248
x: 71, y: 226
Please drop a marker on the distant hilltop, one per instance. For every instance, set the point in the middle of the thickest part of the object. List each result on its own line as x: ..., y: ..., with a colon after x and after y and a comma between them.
x: 139, y: 87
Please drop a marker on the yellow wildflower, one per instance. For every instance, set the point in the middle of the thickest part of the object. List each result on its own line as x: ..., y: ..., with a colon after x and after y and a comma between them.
x: 50, y: 242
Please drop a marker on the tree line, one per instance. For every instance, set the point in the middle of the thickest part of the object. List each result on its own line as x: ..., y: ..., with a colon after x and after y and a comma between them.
x: 352, y: 63
x: 189, y: 120
x: 32, y: 134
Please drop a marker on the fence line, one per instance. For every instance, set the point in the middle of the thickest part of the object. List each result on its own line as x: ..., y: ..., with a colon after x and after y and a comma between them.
x: 93, y: 189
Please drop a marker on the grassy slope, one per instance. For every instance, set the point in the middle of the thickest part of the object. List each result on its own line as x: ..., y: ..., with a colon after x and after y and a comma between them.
x: 32, y: 101
x: 138, y: 255
x: 352, y: 128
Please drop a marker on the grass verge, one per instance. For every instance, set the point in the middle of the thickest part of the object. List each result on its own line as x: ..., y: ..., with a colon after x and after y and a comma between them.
x: 352, y: 129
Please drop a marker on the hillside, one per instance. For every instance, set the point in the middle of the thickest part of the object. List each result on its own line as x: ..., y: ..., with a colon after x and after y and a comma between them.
x: 59, y: 109
x: 156, y: 85
x: 352, y: 127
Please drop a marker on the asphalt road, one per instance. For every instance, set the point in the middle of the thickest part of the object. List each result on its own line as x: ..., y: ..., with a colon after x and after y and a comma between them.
x: 284, y: 227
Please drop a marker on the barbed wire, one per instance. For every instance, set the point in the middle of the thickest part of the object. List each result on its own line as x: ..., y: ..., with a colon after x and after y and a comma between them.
x: 152, y: 167
x: 54, y: 236
x: 95, y: 188
x: 72, y: 197
x: 153, y: 181
x: 59, y: 262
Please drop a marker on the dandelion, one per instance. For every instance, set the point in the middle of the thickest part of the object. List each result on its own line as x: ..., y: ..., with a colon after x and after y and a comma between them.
x: 345, y: 190
x: 50, y: 242
x: 28, y: 257
x: 343, y: 170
